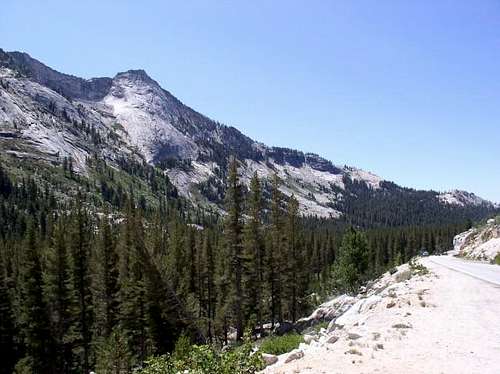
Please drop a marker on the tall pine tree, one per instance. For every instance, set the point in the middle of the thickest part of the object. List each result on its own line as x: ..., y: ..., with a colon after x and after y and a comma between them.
x: 233, y: 228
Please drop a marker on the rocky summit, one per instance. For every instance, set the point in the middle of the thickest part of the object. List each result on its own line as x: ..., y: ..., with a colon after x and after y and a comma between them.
x: 49, y: 116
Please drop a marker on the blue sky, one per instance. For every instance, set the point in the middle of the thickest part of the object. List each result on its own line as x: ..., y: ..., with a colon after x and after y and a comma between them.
x: 408, y: 90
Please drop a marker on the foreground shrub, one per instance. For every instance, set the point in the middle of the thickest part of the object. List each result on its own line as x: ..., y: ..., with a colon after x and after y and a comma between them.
x: 496, y: 260
x: 204, y: 359
x: 277, y: 345
x: 417, y: 268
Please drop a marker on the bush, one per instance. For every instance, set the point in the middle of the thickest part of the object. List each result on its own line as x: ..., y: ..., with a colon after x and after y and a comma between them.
x: 277, y: 345
x: 496, y: 260
x: 113, y: 355
x: 322, y: 325
x: 204, y: 359
x: 417, y: 268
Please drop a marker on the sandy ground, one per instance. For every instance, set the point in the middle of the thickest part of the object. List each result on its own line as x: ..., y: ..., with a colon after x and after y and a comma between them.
x: 452, y: 325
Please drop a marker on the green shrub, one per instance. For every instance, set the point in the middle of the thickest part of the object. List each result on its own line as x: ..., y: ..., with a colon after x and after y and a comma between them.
x: 496, y: 260
x: 321, y: 325
x: 204, y: 359
x: 182, y: 348
x: 417, y: 268
x: 278, y: 345
x: 113, y: 354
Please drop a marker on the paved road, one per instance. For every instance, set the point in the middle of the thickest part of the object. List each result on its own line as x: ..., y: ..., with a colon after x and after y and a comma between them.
x: 486, y: 272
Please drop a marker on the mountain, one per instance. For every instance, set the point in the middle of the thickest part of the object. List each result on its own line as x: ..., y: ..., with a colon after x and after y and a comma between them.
x: 50, y: 117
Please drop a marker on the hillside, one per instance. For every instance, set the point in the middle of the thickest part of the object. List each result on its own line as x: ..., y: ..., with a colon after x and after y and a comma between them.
x: 49, y: 117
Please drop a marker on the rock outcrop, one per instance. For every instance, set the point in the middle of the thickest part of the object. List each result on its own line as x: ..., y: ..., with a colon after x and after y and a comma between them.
x: 393, y: 293
x: 479, y: 243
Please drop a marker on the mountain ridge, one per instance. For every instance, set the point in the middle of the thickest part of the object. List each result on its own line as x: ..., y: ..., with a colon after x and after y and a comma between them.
x: 135, y: 117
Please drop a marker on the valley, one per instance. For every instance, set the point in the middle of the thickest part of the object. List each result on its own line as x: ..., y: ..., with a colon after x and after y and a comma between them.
x: 140, y: 236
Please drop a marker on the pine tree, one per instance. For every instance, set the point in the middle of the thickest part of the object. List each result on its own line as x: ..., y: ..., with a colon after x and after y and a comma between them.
x: 57, y: 293
x: 352, y: 263
x: 254, y: 255
x: 5, y: 183
x: 233, y: 241
x: 132, y: 293
x: 275, y: 252
x: 7, y: 329
x: 113, y: 355
x: 223, y: 289
x: 293, y: 259
x: 80, y: 286
x: 33, y: 317
x: 105, y: 281
x: 206, y: 282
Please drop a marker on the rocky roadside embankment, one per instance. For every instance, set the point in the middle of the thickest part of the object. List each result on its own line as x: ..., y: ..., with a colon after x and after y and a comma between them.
x: 479, y: 243
x: 348, y: 313
x: 421, y: 319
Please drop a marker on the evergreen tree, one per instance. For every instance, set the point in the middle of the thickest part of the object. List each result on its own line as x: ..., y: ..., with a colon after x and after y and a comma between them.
x: 57, y: 293
x: 293, y: 259
x: 105, y: 281
x: 33, y: 319
x: 80, y: 235
x: 132, y: 293
x: 352, y: 262
x: 233, y: 241
x: 276, y: 252
x: 113, y: 355
x: 207, y: 283
x: 7, y: 329
x: 254, y: 255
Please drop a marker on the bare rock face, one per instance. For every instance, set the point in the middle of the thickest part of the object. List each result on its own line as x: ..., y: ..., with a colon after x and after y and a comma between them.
x: 481, y: 243
x: 55, y: 116
x: 67, y: 85
x: 402, y: 275
x: 328, y: 311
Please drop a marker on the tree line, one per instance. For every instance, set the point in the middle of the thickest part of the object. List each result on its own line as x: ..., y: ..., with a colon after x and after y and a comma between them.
x: 95, y: 288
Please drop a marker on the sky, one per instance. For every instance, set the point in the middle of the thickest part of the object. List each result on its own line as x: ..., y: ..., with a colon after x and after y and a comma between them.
x: 409, y: 90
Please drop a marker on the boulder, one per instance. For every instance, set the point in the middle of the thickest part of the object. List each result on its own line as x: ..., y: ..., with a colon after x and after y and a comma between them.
x: 402, y: 274
x: 401, y: 326
x: 269, y: 359
x: 353, y: 314
x: 309, y: 338
x: 284, y: 328
x: 353, y: 336
x: 332, y: 339
x: 327, y: 311
x: 332, y: 326
x: 294, y: 355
